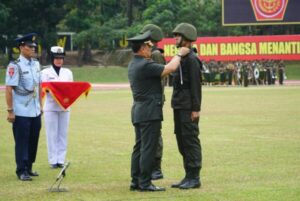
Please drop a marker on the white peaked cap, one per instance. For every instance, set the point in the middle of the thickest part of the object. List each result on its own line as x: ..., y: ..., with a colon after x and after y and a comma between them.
x: 57, y: 49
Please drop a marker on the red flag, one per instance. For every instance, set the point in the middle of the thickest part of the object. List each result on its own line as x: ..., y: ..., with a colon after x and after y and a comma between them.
x: 66, y: 93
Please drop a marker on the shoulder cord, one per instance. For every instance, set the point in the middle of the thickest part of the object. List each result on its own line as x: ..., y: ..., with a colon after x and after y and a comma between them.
x: 26, y: 91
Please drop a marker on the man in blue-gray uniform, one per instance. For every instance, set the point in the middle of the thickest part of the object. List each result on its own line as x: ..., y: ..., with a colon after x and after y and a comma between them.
x: 24, y: 105
x: 146, y: 114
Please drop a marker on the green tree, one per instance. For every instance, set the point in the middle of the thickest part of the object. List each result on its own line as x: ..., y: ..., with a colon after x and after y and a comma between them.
x: 25, y: 16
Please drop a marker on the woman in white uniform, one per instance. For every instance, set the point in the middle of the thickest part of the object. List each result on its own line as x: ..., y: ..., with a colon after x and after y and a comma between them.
x: 56, y: 118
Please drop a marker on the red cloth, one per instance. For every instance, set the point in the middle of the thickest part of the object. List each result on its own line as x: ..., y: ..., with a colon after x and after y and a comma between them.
x: 66, y: 93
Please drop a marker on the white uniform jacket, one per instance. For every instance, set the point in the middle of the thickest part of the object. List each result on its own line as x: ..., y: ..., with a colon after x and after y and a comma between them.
x: 49, y: 75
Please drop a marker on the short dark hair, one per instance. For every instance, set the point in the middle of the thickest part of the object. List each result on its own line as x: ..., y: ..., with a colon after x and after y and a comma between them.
x: 136, y: 46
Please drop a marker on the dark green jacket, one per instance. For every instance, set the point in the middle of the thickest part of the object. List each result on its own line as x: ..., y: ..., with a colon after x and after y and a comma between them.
x: 145, y: 82
x: 187, y: 96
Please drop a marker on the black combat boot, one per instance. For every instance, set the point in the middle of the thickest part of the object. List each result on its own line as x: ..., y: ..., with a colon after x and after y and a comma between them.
x: 193, y: 179
x: 179, y: 183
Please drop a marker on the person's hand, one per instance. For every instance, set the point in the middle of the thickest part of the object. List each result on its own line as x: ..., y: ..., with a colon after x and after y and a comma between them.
x: 11, y: 117
x: 195, y: 115
x: 183, y: 51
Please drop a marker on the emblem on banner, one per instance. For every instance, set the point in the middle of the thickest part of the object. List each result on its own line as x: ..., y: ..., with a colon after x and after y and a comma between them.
x: 267, y: 10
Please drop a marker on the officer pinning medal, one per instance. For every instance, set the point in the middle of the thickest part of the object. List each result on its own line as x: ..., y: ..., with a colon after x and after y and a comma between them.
x: 145, y: 76
x: 157, y: 56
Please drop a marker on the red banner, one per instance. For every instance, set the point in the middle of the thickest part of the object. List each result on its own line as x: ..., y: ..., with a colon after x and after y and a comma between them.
x: 66, y: 93
x: 279, y: 47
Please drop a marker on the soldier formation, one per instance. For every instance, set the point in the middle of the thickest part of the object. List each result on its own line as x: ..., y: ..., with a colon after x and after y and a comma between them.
x: 244, y: 73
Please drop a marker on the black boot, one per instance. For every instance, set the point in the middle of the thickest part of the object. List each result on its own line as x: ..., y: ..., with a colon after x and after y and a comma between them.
x: 191, y: 183
x: 193, y: 179
x: 177, y: 185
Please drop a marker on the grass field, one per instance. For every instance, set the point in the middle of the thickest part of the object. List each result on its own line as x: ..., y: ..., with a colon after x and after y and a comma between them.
x: 119, y: 74
x: 250, y: 139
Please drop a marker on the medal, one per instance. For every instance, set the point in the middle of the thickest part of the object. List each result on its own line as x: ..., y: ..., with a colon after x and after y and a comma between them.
x: 34, y: 92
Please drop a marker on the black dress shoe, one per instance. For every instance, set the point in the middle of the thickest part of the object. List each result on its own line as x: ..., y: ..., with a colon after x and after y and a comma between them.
x: 59, y: 165
x: 152, y: 188
x: 33, y: 174
x: 134, y: 187
x: 24, y: 177
x: 190, y: 183
x: 178, y: 184
x: 157, y: 174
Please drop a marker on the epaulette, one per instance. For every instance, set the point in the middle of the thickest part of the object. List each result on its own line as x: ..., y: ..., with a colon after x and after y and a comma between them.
x: 156, y: 51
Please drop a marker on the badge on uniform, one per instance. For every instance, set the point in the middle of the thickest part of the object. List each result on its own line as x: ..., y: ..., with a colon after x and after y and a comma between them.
x: 11, y: 71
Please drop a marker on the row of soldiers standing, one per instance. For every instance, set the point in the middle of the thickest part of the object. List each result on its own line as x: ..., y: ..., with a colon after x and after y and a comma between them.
x: 258, y: 72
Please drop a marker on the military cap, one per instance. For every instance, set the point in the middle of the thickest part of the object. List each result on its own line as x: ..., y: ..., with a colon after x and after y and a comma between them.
x: 186, y: 30
x: 144, y: 37
x: 57, y: 51
x: 156, y: 32
x: 28, y: 39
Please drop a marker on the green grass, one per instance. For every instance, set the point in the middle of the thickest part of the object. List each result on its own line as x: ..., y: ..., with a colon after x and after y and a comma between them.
x: 119, y: 74
x: 250, y: 140
x: 293, y: 71
x: 100, y: 75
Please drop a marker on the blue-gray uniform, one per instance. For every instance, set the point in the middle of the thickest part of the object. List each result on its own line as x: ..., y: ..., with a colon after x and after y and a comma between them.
x: 24, y: 76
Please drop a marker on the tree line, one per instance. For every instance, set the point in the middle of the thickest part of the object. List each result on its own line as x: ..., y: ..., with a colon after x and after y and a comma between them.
x: 97, y: 23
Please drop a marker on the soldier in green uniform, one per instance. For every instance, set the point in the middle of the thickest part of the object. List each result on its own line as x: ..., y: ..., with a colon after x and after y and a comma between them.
x: 157, y: 56
x: 268, y: 66
x: 245, y: 73
x: 281, y: 67
x: 230, y: 69
x: 145, y: 81
x: 186, y: 104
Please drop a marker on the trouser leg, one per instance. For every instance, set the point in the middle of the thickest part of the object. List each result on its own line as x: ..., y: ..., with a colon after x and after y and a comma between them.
x: 63, y: 124
x: 21, y: 130
x: 51, y: 125
x: 158, y: 155
x: 192, y: 156
x: 150, y: 132
x: 135, y: 156
x: 188, y: 142
x: 35, y: 128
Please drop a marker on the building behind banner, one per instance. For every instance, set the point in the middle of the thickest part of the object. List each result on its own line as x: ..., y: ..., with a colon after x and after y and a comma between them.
x: 276, y: 47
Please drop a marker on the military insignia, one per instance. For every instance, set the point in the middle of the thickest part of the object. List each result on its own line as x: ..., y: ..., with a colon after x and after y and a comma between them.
x: 11, y: 71
x: 66, y: 100
x: 59, y: 50
x: 33, y: 38
x: 269, y: 9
